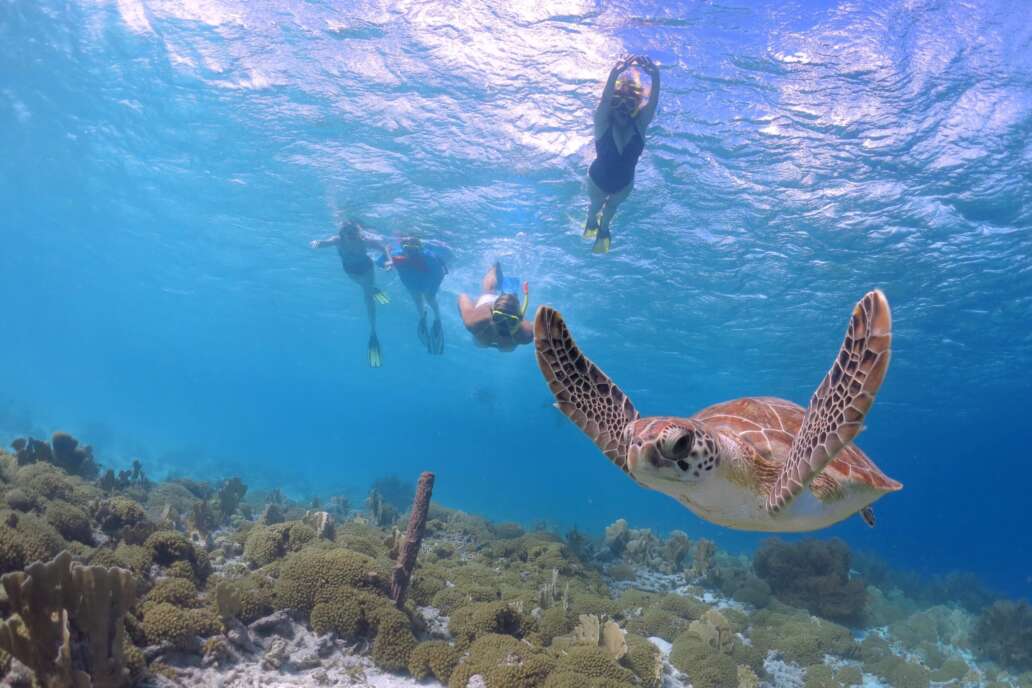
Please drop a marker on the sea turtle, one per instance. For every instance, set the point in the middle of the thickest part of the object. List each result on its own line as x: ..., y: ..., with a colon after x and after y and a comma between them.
x: 755, y: 463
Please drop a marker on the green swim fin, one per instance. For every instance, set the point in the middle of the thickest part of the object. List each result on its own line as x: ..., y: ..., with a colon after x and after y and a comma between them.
x: 591, y: 228
x: 602, y: 243
x: 381, y: 297
x: 437, y: 338
x: 375, y: 357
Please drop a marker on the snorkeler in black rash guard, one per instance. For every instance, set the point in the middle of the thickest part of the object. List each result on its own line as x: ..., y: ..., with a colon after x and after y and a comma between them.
x: 352, y: 246
x: 621, y: 119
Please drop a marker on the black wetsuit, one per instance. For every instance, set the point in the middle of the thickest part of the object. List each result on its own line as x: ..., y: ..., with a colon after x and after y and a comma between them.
x: 613, y: 170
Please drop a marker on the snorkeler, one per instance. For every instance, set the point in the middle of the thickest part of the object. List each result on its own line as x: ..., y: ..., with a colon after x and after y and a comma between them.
x: 496, y: 319
x: 352, y: 243
x: 621, y: 119
x: 421, y: 266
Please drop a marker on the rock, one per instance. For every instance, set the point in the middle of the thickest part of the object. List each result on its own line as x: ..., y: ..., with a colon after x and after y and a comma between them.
x: 276, y: 622
x: 277, y: 654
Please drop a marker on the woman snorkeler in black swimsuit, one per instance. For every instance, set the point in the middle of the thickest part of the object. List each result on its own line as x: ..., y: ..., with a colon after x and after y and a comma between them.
x: 353, y: 243
x: 621, y: 119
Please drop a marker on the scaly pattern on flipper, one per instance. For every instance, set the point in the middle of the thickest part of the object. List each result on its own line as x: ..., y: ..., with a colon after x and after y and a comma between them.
x: 837, y: 409
x: 582, y: 391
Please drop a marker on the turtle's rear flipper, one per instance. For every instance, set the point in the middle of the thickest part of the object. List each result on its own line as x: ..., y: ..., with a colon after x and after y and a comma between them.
x: 582, y: 391
x: 837, y: 409
x: 867, y: 513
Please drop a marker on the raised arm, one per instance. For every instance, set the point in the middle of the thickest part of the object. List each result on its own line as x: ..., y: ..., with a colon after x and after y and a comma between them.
x: 602, y: 112
x: 323, y: 243
x: 649, y: 111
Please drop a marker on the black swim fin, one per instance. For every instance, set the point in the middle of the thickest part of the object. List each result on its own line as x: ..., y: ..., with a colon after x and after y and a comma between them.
x: 437, y: 338
x: 375, y: 356
x: 422, y: 332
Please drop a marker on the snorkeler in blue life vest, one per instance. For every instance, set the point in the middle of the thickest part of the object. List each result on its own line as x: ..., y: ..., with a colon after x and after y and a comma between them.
x: 496, y: 318
x: 623, y: 115
x: 421, y: 266
x: 352, y: 243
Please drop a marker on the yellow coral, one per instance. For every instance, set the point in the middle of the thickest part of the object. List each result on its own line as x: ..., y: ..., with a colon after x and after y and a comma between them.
x: 305, y: 573
x: 433, y: 657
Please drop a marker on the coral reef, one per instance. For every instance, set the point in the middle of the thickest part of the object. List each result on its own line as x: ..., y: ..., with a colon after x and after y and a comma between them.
x: 67, y: 622
x: 305, y: 595
x: 814, y: 575
x: 1003, y: 633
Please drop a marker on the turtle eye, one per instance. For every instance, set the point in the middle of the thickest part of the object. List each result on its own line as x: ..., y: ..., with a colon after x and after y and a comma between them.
x: 677, y: 443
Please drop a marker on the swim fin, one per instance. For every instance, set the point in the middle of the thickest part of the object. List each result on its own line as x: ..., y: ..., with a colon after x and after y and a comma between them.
x: 375, y: 357
x: 422, y: 333
x: 437, y: 338
x: 602, y: 243
x: 591, y: 227
x: 381, y: 297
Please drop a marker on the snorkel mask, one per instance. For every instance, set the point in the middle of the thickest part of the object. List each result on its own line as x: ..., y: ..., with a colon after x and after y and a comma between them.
x: 509, y: 321
x: 628, y: 95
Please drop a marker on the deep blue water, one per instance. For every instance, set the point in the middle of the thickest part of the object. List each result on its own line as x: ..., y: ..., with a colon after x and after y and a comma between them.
x: 165, y: 162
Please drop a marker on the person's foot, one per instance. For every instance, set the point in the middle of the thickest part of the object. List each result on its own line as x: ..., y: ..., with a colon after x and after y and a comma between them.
x: 422, y: 332
x: 437, y: 339
x: 375, y: 357
x: 591, y: 226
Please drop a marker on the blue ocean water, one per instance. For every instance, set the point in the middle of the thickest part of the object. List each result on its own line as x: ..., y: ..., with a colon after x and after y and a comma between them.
x: 166, y: 162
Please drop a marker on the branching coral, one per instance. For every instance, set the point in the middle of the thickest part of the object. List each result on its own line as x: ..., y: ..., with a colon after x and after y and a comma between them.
x: 25, y: 538
x: 165, y: 622
x: 813, y: 575
x: 433, y: 658
x: 306, y: 573
x: 266, y: 544
x: 503, y: 662
x: 70, y: 521
x: 68, y: 622
x: 472, y: 621
x: 1003, y: 633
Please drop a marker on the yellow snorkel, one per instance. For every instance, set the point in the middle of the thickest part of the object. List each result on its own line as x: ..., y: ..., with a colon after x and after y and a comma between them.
x: 513, y: 321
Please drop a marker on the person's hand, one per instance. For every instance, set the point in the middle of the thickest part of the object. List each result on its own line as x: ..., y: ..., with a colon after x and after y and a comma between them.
x: 647, y: 64
x: 314, y: 243
x: 624, y: 62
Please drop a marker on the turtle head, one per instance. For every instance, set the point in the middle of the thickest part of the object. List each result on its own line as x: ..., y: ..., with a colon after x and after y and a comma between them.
x: 667, y: 453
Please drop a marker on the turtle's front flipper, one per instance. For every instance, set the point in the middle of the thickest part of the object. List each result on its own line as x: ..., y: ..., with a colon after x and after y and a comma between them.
x: 837, y: 408
x: 582, y: 391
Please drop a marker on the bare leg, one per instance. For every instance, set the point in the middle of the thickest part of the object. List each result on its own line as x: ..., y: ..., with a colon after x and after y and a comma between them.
x: 492, y: 279
x: 436, y: 345
x: 421, y: 330
x: 369, y: 291
x: 612, y: 204
x: 370, y: 305
x: 598, y: 199
x: 603, y: 238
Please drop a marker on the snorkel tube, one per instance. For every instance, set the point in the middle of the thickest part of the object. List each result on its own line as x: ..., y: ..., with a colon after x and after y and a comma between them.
x: 512, y: 321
